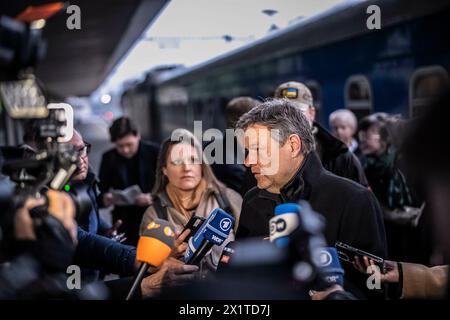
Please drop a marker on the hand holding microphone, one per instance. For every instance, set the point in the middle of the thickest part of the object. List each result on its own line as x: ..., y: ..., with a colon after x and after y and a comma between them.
x: 173, y: 272
x: 214, y: 231
x: 154, y: 246
x: 180, y: 246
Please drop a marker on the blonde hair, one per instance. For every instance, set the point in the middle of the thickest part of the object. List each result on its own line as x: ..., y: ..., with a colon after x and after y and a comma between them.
x: 177, y: 137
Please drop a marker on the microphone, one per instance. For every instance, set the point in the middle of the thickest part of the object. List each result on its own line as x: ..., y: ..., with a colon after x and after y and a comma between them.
x: 330, y: 270
x: 214, y: 231
x: 154, y: 246
x: 227, y: 252
x: 285, y: 221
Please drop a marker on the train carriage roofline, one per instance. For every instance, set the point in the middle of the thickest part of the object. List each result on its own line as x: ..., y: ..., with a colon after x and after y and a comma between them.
x: 333, y: 25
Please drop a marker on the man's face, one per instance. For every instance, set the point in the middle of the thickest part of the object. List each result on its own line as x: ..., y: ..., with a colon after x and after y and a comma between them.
x: 272, y: 164
x: 83, y: 158
x: 128, y: 146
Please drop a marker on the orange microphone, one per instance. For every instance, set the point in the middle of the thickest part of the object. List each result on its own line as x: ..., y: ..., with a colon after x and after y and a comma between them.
x: 154, y: 246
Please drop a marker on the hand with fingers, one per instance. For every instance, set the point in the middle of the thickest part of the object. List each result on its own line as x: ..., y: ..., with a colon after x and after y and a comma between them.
x: 112, y: 232
x: 143, y: 200
x: 390, y: 275
x: 23, y: 223
x: 322, y: 295
x: 173, y: 272
x: 180, y: 246
x: 108, y: 199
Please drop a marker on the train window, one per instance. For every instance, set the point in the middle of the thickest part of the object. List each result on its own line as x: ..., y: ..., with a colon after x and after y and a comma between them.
x: 426, y: 83
x: 358, y: 95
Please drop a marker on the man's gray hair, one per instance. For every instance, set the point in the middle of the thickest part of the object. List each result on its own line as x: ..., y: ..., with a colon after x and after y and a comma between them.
x: 345, y: 116
x: 282, y: 115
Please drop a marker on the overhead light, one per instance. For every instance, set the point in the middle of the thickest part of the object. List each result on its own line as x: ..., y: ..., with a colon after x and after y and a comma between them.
x: 38, y: 24
x: 105, y: 98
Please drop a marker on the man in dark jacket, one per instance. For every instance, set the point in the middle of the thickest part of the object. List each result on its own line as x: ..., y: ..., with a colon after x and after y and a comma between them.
x: 333, y: 153
x: 132, y: 162
x: 95, y: 251
x: 287, y: 169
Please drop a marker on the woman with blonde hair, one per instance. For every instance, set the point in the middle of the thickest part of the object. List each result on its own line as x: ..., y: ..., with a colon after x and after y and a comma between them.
x: 186, y: 186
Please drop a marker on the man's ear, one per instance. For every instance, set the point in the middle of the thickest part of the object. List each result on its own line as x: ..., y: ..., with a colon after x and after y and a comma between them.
x: 312, y: 113
x: 295, y: 144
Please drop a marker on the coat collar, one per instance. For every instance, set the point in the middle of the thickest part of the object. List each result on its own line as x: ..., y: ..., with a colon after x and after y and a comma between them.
x: 301, y: 185
x: 328, y: 146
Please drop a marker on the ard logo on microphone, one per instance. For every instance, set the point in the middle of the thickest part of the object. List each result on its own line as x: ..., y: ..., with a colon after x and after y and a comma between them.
x: 277, y: 226
x: 225, y: 224
x: 325, y: 258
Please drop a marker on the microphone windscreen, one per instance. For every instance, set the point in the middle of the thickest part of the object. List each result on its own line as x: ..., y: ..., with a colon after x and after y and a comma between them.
x: 285, y: 221
x: 328, y: 262
x: 156, y: 243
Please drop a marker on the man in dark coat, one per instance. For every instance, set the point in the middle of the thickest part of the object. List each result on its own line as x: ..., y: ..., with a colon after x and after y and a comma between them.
x: 131, y: 162
x: 294, y: 173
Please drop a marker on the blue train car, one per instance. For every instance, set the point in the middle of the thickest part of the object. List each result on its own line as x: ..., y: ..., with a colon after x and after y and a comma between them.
x: 395, y: 69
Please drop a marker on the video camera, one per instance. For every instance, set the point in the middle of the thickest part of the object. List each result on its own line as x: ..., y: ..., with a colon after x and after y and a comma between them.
x: 43, y: 162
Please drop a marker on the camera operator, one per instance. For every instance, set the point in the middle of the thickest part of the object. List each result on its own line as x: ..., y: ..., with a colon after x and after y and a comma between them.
x: 109, y: 256
x: 94, y: 253
x: 39, y: 253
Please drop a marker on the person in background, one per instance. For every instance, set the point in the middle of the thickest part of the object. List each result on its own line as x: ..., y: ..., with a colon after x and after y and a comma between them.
x: 132, y: 162
x: 230, y: 172
x: 343, y: 124
x: 185, y: 186
x: 333, y: 153
x: 402, y: 207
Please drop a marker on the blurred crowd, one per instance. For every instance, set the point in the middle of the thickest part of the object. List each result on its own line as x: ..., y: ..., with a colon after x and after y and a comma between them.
x: 380, y: 184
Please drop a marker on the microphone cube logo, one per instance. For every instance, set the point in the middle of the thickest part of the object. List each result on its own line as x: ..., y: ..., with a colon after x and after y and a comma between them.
x: 168, y: 232
x: 153, y: 225
x: 278, y: 225
x: 325, y: 258
x: 225, y: 224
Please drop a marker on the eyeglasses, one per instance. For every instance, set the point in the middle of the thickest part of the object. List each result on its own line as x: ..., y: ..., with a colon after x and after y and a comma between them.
x: 85, y: 150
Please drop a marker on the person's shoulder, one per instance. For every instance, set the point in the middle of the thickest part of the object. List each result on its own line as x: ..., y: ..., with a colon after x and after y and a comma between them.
x: 344, y: 185
x: 251, y: 196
